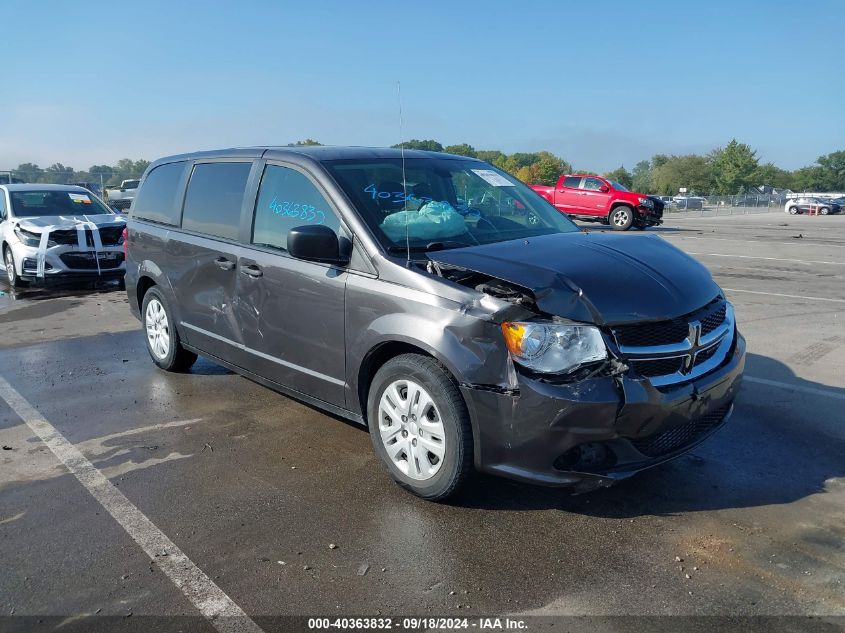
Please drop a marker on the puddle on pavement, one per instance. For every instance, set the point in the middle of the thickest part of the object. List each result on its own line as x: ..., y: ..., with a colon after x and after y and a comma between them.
x: 14, y: 297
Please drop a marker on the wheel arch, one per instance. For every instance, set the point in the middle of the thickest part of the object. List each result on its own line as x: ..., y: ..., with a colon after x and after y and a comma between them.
x: 379, y: 355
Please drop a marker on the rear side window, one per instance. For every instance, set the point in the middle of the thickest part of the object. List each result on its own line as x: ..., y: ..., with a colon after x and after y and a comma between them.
x: 156, y: 200
x: 572, y: 181
x: 2, y: 204
x: 214, y: 198
x: 593, y: 184
x: 287, y: 199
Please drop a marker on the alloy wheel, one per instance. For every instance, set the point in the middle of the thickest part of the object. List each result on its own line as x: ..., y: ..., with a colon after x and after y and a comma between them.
x: 620, y: 218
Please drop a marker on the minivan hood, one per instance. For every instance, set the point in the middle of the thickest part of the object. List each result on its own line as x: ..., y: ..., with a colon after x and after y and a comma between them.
x: 595, y: 277
x: 38, y: 224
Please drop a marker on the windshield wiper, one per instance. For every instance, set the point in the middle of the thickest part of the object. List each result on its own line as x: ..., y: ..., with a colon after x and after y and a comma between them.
x: 431, y: 246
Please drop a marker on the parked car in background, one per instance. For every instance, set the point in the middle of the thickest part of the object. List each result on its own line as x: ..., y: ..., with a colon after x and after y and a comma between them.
x: 797, y: 206
x: 666, y: 200
x: 364, y: 282
x: 596, y: 199
x: 689, y: 202
x: 58, y: 232
x: 93, y: 187
x: 121, y: 197
x: 749, y: 200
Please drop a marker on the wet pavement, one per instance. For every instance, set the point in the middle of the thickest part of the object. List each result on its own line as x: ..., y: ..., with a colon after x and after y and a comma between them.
x: 254, y: 487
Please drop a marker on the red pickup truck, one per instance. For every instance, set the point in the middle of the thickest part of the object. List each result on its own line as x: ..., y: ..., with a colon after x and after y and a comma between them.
x: 597, y: 199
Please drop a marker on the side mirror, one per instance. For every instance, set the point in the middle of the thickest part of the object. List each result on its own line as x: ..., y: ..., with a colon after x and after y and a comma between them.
x: 604, y: 188
x: 315, y: 243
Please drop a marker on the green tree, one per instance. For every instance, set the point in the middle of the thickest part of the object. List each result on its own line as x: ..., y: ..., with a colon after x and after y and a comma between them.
x: 832, y: 171
x: 306, y: 143
x: 733, y: 167
x: 57, y: 174
x: 28, y: 172
x: 641, y: 177
x: 548, y: 169
x: 810, y: 178
x: 770, y: 175
x: 658, y: 160
x: 463, y: 149
x: 428, y: 145
x: 490, y: 156
x: 622, y: 176
x: 691, y: 171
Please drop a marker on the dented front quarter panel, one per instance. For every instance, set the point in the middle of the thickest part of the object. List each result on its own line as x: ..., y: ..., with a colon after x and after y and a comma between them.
x: 454, y: 325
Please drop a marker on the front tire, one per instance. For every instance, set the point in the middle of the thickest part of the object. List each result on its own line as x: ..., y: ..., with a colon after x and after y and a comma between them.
x: 419, y: 426
x: 11, y: 272
x: 621, y: 218
x: 793, y: 210
x: 824, y: 210
x: 162, y: 339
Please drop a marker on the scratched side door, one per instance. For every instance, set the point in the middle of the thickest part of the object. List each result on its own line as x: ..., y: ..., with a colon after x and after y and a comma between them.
x: 291, y: 311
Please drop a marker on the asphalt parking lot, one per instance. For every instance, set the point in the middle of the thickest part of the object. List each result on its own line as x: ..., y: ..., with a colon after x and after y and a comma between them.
x: 255, y: 488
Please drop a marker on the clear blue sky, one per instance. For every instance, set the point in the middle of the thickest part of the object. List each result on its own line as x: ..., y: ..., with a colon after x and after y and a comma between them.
x: 601, y: 84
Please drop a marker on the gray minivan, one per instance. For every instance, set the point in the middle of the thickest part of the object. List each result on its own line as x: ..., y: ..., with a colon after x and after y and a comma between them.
x: 440, y: 302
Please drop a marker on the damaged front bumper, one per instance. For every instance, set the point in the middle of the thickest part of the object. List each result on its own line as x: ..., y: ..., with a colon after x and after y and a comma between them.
x: 65, y: 262
x: 594, y: 432
x: 649, y: 216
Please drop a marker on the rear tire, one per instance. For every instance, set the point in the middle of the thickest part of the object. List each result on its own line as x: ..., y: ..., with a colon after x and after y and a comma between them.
x: 419, y: 426
x: 161, y: 336
x: 621, y: 218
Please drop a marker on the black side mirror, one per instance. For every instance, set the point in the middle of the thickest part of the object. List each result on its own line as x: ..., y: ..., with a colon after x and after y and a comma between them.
x: 314, y: 242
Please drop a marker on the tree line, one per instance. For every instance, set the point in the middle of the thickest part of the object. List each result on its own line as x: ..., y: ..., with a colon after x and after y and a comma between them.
x: 729, y: 170
x: 732, y: 169
x: 59, y: 174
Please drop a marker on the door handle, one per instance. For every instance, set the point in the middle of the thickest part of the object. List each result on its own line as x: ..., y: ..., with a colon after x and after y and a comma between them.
x: 224, y: 264
x: 252, y: 270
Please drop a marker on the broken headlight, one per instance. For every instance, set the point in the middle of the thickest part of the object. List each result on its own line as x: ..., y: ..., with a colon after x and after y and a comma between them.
x: 27, y: 237
x: 553, y: 347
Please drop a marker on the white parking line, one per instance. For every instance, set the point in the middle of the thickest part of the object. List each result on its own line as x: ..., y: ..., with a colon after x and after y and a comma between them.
x: 774, y: 259
x: 778, y: 294
x: 199, y: 589
x: 785, y: 385
x: 726, y: 239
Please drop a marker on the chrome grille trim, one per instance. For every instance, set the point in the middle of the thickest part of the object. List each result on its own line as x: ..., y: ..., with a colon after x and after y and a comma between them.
x: 722, y: 337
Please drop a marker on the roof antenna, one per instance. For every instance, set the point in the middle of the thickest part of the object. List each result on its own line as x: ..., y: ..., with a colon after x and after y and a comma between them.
x: 404, y: 182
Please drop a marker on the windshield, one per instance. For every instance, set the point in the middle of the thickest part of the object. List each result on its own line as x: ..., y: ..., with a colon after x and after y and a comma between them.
x: 618, y: 186
x: 445, y: 203
x: 31, y: 204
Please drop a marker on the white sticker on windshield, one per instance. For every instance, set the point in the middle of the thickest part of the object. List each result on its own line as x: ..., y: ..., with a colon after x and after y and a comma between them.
x: 80, y: 197
x: 493, y: 178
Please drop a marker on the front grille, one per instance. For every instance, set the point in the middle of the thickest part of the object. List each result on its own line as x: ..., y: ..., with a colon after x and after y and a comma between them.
x: 714, y: 319
x: 86, y: 261
x: 64, y: 236
x: 705, y: 355
x: 658, y: 367
x: 110, y: 235
x: 671, y: 331
x: 678, y: 437
x: 648, y: 334
x: 673, y: 351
